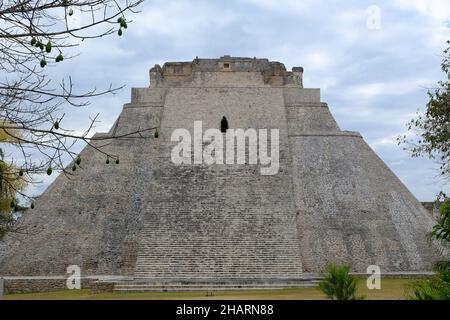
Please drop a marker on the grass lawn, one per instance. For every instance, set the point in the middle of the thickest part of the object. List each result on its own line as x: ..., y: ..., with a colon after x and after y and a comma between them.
x: 391, y: 289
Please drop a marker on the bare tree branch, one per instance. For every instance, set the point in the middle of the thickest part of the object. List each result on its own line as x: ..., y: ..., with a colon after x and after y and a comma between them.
x: 33, y: 35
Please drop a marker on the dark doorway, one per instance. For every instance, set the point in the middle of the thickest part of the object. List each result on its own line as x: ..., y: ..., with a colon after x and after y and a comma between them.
x: 224, y: 124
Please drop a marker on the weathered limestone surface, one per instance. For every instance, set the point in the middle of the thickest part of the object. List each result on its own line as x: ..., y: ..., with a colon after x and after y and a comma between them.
x: 355, y: 208
x: 333, y: 199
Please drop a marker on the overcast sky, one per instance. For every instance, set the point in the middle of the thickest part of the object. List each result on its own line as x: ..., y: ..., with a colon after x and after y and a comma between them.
x: 374, y: 79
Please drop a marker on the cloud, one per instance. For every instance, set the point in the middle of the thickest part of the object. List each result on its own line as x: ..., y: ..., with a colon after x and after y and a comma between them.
x: 318, y: 60
x: 400, y: 87
x: 285, y: 6
x: 436, y: 9
x: 386, y: 142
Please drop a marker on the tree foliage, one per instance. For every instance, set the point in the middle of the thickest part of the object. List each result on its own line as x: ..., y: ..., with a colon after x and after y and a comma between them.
x: 432, y: 138
x: 337, y: 283
x: 436, y: 288
x: 431, y: 129
x: 10, y: 184
x: 441, y: 231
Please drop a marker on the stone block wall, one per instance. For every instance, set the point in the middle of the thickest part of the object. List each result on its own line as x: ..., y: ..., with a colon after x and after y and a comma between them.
x: 354, y: 210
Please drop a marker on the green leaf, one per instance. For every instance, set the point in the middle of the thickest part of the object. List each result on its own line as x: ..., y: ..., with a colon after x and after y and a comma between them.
x: 48, y: 47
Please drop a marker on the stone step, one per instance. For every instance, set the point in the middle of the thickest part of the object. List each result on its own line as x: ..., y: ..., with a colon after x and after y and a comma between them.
x: 216, y: 266
x: 228, y: 260
x: 205, y: 284
x: 217, y: 249
x: 205, y: 288
x: 177, y: 261
x: 180, y: 271
x: 176, y: 243
x: 196, y: 269
x: 197, y: 274
x: 145, y: 285
x: 202, y: 264
x: 209, y: 273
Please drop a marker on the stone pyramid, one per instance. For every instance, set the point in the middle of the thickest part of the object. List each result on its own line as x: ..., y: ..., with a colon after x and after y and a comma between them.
x: 333, y: 198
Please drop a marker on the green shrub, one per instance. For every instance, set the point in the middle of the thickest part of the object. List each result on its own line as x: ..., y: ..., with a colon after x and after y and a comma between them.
x: 436, y: 288
x: 337, y: 283
x: 441, y: 231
